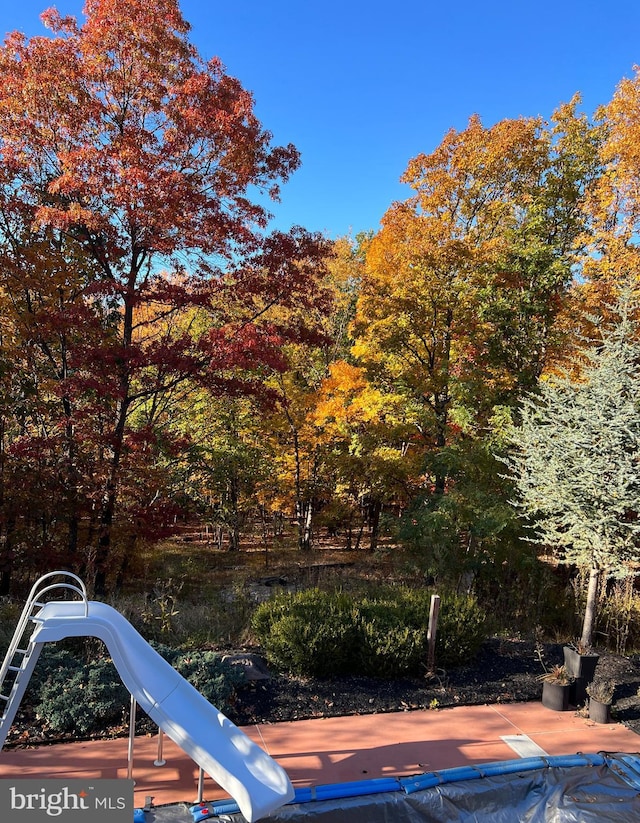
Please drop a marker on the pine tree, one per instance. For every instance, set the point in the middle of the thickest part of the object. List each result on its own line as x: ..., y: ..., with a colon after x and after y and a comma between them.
x: 575, y: 459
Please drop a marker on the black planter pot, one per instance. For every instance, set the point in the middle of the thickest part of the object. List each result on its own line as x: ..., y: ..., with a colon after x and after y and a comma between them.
x: 582, y: 668
x: 599, y: 712
x: 578, y: 691
x: 555, y: 696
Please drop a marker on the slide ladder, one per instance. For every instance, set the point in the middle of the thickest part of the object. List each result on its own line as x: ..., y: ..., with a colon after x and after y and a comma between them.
x: 22, y: 654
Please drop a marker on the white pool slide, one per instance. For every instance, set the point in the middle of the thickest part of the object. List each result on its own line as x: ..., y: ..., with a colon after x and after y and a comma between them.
x: 254, y: 780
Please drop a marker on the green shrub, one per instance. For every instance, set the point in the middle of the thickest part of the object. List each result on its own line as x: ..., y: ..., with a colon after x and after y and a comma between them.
x: 317, y: 633
x: 52, y: 663
x: 389, y: 649
x: 82, y: 699
x: 205, y: 670
x: 310, y: 633
x: 73, y: 696
x: 461, y: 629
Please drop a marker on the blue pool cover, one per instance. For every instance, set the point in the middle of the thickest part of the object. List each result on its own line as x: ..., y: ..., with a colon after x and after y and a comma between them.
x: 569, y: 789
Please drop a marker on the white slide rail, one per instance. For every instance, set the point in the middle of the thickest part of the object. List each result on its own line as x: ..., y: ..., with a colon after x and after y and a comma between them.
x: 256, y: 782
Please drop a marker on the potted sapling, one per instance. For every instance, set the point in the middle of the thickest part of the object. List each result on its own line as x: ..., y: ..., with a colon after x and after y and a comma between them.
x: 556, y: 683
x: 600, y: 696
x: 580, y: 661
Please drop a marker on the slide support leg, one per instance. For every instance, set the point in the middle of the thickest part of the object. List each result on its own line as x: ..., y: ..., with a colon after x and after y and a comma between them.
x: 200, y: 785
x: 160, y: 761
x: 132, y: 733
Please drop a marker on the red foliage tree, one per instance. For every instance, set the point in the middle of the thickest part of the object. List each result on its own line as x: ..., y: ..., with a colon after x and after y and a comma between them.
x: 126, y: 169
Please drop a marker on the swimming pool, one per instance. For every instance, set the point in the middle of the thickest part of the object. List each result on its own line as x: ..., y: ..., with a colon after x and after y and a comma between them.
x: 582, y: 788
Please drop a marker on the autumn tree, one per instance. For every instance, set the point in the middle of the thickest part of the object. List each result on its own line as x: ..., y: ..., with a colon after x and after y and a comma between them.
x: 217, y: 473
x: 613, y: 204
x: 464, y: 280
x: 301, y: 481
x: 528, y: 304
x: 126, y: 167
x: 44, y: 321
x: 367, y: 441
x: 298, y: 482
x: 426, y: 267
x: 575, y: 460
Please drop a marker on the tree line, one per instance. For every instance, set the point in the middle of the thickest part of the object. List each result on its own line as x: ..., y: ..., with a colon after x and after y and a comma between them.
x: 162, y: 352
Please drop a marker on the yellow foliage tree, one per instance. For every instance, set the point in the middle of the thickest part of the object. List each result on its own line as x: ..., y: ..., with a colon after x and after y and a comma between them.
x: 613, y: 203
x: 369, y: 442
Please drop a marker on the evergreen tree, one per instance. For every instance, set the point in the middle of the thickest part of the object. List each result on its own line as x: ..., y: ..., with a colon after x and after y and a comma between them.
x: 575, y: 459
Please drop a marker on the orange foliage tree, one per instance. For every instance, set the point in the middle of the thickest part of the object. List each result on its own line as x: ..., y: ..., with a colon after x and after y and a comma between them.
x: 368, y: 441
x: 613, y: 203
x: 463, y: 283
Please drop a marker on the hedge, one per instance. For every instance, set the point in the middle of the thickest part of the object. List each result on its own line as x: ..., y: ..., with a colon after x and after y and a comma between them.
x: 321, y: 634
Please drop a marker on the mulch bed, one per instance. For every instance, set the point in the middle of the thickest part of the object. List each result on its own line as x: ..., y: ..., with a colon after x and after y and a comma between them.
x: 505, y: 671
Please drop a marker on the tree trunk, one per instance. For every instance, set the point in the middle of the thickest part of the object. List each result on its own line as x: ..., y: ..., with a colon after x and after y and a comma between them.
x: 234, y: 519
x: 102, y: 554
x: 375, y: 509
x: 234, y: 538
x: 6, y: 540
x: 103, y: 551
x: 110, y: 495
x: 304, y: 517
x: 7, y: 555
x: 72, y: 481
x: 441, y: 402
x: 590, y: 608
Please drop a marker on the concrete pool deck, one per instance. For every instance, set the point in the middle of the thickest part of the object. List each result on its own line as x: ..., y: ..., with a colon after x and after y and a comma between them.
x: 339, y: 749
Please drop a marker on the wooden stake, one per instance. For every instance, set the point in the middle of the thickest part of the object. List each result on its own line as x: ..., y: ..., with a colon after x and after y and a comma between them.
x: 431, y: 632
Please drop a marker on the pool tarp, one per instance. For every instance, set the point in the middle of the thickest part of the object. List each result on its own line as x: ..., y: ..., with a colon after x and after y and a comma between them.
x: 571, y: 789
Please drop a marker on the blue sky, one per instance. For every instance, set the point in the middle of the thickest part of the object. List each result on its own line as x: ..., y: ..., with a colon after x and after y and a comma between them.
x: 361, y: 87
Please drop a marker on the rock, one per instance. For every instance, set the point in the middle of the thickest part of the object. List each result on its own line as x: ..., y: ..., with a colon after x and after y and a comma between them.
x: 273, y: 581
x: 254, y: 666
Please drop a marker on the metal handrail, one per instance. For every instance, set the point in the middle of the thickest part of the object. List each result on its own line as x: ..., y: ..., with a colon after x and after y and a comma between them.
x: 82, y: 590
x: 70, y: 586
x: 32, y: 601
